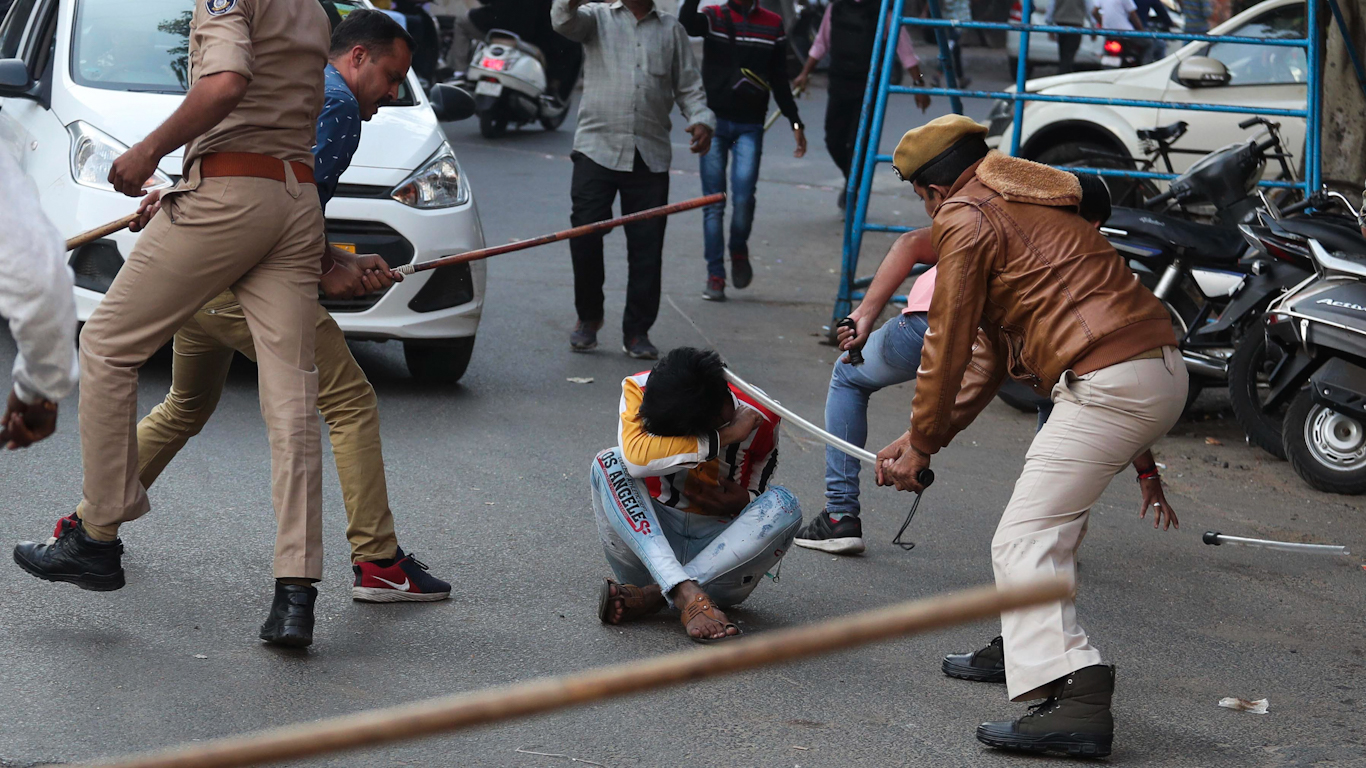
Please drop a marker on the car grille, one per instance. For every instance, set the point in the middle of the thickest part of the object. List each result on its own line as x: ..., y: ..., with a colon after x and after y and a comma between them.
x: 367, y: 237
x: 362, y: 191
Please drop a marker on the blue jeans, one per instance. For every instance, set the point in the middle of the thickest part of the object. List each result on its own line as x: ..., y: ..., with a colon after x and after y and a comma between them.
x: 890, y: 356
x: 647, y: 542
x: 746, y: 142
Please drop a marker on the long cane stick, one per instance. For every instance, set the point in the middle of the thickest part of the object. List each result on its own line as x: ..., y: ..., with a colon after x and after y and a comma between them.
x: 424, y: 718
x: 103, y: 230
x: 554, y: 237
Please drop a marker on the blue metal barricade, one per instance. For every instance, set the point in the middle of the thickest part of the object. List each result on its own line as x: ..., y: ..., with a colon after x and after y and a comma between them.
x: 879, y: 87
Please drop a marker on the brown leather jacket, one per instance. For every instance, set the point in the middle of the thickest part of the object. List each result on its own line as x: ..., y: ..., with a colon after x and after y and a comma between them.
x: 1025, y: 287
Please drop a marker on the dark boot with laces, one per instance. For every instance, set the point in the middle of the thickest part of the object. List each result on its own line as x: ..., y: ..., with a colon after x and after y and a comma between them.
x: 72, y: 556
x: 987, y: 665
x: 291, y: 616
x: 1074, y: 721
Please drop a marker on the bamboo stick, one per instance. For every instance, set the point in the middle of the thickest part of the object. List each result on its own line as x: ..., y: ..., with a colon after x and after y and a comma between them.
x: 587, y: 229
x: 491, y: 705
x: 103, y: 230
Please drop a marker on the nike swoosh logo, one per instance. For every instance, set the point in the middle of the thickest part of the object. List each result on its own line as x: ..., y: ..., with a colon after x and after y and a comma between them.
x: 400, y: 587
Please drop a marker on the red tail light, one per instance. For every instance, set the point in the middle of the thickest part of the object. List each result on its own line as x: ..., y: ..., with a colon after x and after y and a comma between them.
x: 1113, y: 47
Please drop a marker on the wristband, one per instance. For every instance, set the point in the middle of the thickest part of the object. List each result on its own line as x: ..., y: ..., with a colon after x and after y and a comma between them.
x: 1149, y: 474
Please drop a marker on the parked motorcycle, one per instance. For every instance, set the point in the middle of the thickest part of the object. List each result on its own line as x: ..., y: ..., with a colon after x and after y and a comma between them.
x: 509, y: 79
x: 1185, y: 246
x: 1321, y: 327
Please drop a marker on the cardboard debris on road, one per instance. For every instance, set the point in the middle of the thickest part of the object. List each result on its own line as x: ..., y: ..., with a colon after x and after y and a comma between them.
x: 580, y: 379
x: 1257, y: 707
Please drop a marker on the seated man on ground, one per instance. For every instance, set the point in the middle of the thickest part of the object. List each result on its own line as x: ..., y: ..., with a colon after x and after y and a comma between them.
x: 684, y: 507
x: 891, y: 355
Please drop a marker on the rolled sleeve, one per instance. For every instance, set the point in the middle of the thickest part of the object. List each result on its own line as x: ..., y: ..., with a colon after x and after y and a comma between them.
x: 691, y: 97
x: 223, y: 41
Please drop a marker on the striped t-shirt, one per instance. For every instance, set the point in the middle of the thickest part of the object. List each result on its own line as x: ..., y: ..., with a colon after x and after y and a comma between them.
x: 671, y: 466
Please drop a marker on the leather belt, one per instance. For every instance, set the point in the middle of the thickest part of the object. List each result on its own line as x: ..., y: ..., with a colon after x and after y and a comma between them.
x: 253, y: 165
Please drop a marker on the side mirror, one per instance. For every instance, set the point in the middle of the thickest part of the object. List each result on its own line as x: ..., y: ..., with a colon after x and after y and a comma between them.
x: 14, y: 78
x: 450, y: 103
x: 1202, y: 72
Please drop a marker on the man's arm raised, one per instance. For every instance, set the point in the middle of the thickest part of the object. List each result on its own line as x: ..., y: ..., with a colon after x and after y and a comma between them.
x: 908, y: 250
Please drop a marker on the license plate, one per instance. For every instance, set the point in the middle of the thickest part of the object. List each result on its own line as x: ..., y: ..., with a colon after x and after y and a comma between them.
x: 488, y: 88
x: 494, y: 64
x: 1109, y: 61
x: 348, y: 247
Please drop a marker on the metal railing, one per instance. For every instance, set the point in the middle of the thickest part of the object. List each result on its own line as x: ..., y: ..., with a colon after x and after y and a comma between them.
x: 873, y: 113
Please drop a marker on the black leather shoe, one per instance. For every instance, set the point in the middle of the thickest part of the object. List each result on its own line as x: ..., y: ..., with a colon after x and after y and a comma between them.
x: 741, y: 273
x: 291, y: 616
x: 1074, y: 721
x: 74, y: 557
x: 987, y: 665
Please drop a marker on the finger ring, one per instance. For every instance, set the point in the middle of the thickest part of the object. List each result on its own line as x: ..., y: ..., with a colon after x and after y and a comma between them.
x: 1157, y: 504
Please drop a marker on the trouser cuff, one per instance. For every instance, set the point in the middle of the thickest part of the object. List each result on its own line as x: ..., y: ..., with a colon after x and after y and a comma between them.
x: 1021, y: 679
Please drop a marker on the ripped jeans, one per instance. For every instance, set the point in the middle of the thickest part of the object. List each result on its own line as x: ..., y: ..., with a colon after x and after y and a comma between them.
x: 647, y: 542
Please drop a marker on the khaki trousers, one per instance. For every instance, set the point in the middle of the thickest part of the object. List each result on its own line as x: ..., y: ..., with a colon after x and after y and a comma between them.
x: 1100, y: 423
x: 263, y: 239
x: 203, y: 353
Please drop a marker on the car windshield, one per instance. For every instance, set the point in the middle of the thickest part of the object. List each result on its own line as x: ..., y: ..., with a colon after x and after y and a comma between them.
x: 144, y: 46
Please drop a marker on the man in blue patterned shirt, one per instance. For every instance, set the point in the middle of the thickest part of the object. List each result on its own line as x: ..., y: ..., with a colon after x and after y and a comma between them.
x: 368, y: 62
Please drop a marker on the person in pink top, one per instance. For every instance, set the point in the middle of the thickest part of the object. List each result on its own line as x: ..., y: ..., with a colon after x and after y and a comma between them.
x: 891, y: 355
x: 848, y: 33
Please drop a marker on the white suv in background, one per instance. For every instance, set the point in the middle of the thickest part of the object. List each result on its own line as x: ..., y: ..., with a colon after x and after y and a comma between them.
x: 82, y: 80
x: 1200, y: 72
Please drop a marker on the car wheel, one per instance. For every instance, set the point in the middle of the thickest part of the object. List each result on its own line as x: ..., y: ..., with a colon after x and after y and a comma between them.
x: 1248, y: 369
x: 1326, y: 448
x: 1090, y: 154
x: 438, y: 362
x: 492, y: 125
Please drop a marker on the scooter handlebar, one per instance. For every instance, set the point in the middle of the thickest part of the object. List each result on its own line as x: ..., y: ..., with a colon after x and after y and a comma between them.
x: 855, y: 355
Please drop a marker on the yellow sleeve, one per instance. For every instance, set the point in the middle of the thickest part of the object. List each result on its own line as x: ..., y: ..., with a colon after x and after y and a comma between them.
x: 650, y: 455
x: 220, y: 37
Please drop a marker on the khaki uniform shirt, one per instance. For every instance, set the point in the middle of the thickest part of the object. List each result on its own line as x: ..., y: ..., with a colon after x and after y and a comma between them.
x: 281, y: 47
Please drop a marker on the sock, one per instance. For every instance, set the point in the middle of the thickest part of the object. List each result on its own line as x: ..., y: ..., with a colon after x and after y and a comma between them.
x: 298, y: 582
x: 100, y: 532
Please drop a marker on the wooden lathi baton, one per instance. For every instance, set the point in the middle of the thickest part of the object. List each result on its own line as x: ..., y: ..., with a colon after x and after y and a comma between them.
x: 104, y: 230
x: 492, y: 705
x: 587, y: 229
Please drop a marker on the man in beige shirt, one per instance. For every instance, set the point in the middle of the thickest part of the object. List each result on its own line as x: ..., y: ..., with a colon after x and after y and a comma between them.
x: 245, y: 216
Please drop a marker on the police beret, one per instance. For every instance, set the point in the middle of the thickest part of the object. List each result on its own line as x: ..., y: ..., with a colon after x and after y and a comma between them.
x: 919, y: 146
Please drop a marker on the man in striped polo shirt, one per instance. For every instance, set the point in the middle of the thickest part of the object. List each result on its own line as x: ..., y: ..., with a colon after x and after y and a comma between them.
x: 684, y: 507
x: 744, y: 58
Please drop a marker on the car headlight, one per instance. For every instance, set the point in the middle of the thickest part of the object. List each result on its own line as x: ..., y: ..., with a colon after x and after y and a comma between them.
x: 92, y: 155
x: 439, y: 183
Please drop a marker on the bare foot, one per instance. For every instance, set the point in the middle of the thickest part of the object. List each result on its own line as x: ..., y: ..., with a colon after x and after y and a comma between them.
x: 705, y: 625
x: 616, y: 610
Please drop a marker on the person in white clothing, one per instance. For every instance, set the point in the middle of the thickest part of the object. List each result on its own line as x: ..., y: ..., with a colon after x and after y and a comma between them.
x: 1116, y: 14
x: 36, y: 300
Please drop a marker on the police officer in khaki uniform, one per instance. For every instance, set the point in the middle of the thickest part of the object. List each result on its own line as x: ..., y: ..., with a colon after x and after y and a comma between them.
x: 246, y: 216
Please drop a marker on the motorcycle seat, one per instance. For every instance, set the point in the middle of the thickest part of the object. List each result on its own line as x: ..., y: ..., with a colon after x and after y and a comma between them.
x: 1200, y: 244
x: 1333, y: 236
x: 1167, y: 133
x: 508, y: 38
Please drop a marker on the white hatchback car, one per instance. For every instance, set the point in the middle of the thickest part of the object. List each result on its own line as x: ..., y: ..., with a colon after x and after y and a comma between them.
x: 1240, y: 74
x: 81, y: 80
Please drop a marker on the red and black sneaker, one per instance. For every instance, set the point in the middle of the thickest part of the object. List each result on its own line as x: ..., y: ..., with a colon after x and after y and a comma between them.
x: 403, y: 579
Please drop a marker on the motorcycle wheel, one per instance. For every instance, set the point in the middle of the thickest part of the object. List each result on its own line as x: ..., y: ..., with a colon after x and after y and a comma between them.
x: 1327, y: 449
x: 554, y: 123
x: 492, y: 125
x: 1248, y: 369
x: 1126, y: 192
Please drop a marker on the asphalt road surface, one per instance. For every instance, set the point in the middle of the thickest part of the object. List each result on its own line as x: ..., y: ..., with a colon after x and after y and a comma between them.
x: 488, y: 481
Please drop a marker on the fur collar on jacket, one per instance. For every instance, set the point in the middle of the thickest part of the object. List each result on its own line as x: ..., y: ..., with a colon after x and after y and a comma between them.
x: 1025, y: 181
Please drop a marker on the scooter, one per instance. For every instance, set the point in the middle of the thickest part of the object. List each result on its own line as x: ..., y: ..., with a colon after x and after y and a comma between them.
x: 1322, y: 327
x: 509, y: 79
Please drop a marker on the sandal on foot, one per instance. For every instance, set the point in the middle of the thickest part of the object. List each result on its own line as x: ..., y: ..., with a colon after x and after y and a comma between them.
x: 634, y: 600
x: 702, y: 606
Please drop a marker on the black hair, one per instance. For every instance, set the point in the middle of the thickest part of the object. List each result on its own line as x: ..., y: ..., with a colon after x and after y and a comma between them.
x: 686, y: 393
x: 944, y: 169
x: 1095, y: 198
x: 372, y: 30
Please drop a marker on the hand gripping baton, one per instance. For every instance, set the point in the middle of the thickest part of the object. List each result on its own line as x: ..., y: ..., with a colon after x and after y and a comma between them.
x: 925, y: 477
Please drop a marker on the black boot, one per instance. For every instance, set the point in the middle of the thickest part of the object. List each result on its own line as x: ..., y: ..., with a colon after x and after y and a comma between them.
x: 987, y: 665
x: 1075, y: 720
x: 291, y: 616
x: 74, y: 557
